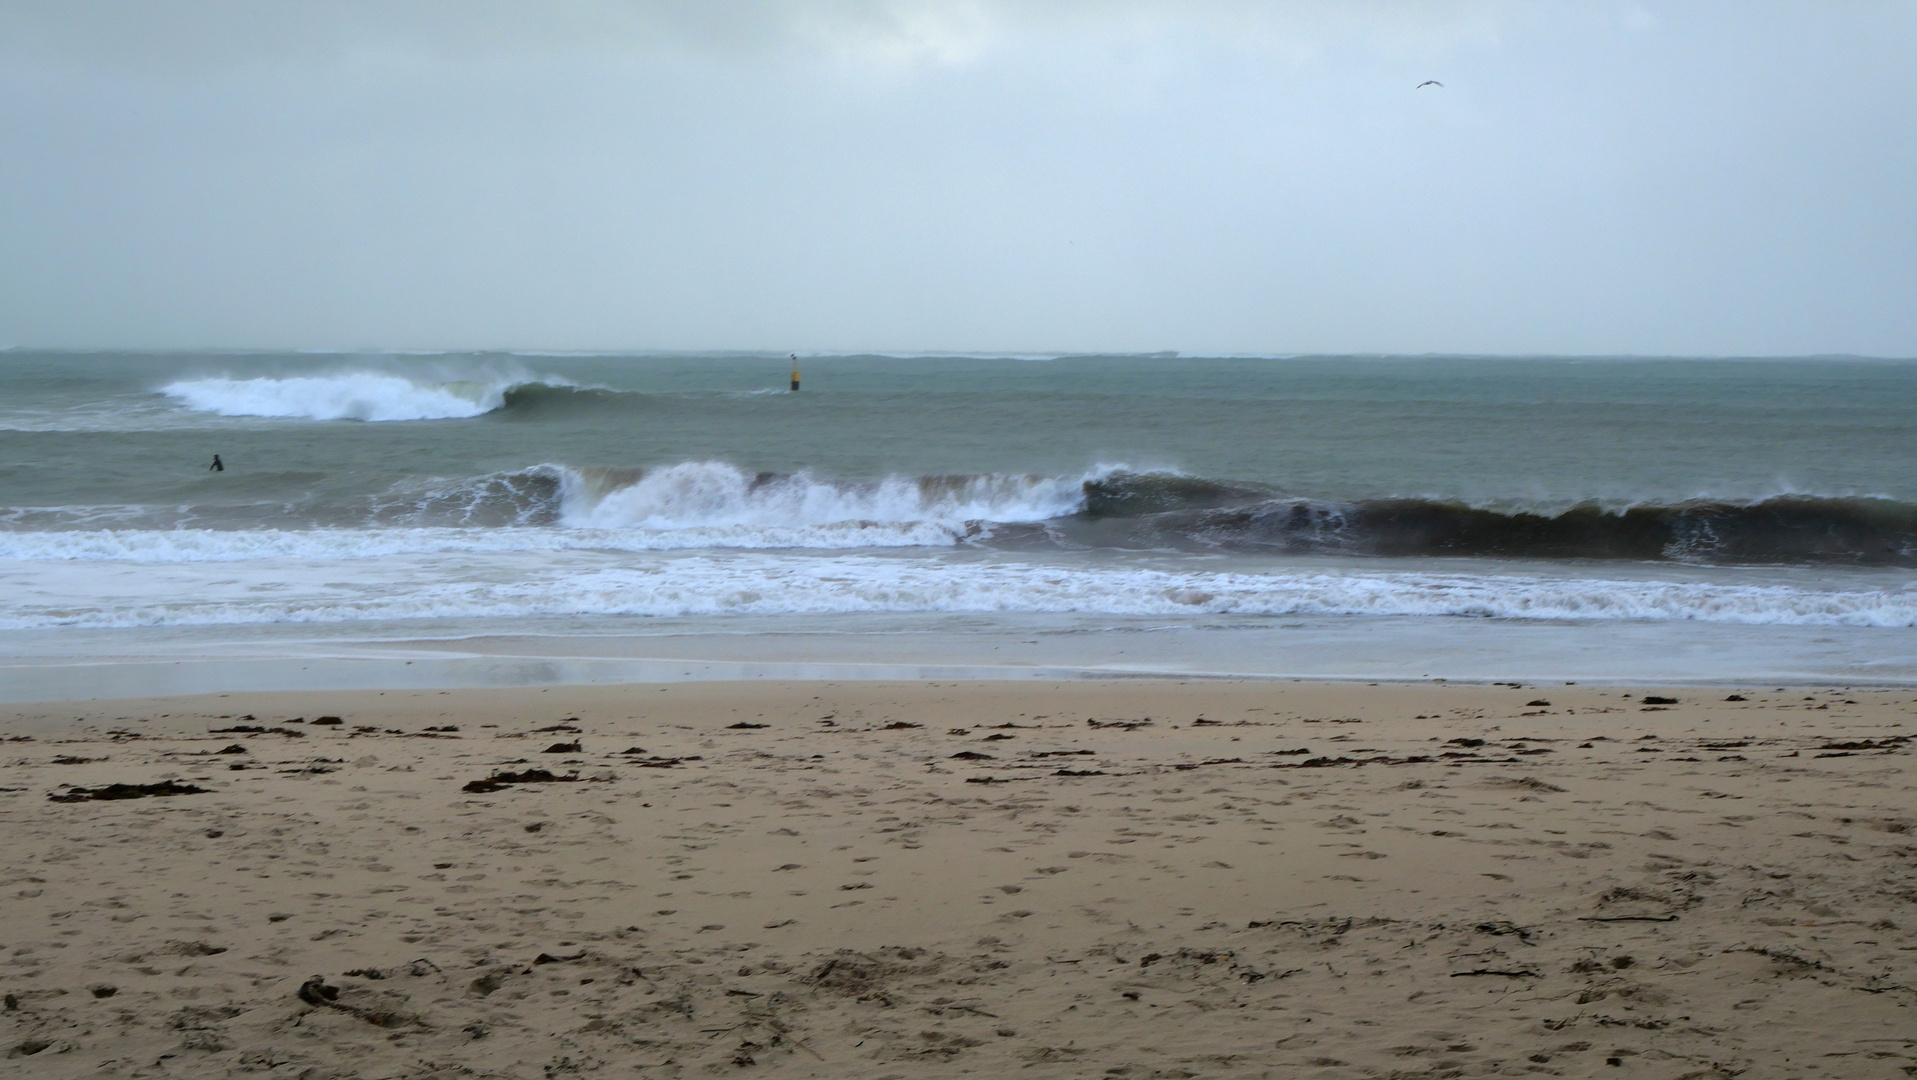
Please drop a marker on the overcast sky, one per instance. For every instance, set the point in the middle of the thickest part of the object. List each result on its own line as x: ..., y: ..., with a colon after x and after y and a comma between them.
x: 1049, y: 175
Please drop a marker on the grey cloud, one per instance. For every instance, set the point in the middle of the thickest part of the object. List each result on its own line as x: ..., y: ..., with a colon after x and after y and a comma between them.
x: 1133, y: 174
x: 190, y: 35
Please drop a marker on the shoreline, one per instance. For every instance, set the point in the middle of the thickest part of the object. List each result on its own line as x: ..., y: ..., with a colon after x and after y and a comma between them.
x: 77, y: 664
x: 634, y: 678
x: 919, y: 879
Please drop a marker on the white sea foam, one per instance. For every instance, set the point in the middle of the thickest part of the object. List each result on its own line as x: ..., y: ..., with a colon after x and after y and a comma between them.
x: 171, y: 546
x: 287, y: 587
x: 351, y: 395
x: 698, y: 495
x: 690, y: 505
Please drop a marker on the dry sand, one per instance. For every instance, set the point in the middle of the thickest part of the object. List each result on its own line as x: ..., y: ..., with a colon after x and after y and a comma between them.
x: 1001, y: 879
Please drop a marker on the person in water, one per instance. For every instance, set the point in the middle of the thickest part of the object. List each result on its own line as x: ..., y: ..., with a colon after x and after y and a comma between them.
x: 216, y: 466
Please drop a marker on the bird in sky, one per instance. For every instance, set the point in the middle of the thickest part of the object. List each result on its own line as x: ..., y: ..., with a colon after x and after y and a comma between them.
x: 1429, y: 82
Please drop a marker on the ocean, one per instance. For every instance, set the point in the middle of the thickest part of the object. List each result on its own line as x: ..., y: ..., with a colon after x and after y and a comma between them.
x: 1398, y: 505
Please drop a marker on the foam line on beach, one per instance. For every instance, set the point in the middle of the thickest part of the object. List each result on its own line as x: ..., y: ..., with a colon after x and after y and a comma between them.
x: 294, y: 587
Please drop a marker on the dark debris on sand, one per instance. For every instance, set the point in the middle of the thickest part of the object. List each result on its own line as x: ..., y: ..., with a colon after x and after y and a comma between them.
x: 124, y: 791
x: 503, y: 780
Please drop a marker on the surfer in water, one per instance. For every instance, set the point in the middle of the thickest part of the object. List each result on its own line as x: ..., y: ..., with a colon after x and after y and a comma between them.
x: 217, y: 466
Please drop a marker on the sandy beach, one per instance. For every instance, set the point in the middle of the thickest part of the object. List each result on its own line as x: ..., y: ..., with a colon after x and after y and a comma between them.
x: 919, y: 539
x: 1105, y: 878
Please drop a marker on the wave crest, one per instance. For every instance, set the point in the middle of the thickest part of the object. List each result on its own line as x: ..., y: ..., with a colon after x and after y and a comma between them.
x: 354, y: 395
x: 707, y: 494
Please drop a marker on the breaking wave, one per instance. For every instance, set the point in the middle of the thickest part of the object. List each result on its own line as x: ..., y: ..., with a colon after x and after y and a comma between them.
x: 358, y: 395
x: 1115, y: 507
x: 558, y: 508
x: 696, y: 504
x: 715, y: 503
x: 705, y: 494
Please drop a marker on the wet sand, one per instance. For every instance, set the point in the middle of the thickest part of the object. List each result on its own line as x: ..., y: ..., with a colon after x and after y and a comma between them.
x: 1098, y: 878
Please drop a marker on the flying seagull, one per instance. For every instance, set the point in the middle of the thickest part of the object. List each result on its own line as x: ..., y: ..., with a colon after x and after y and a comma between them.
x: 1429, y: 82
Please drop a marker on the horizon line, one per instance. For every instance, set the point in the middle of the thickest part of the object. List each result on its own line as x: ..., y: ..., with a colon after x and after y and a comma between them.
x: 926, y: 354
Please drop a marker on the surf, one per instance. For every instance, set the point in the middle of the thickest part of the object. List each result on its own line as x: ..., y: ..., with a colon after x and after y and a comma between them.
x: 1111, y: 508
x: 371, y: 396
x: 294, y: 578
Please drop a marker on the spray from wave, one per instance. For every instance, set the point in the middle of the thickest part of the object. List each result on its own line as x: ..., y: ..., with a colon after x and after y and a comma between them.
x: 356, y: 395
x: 708, y: 494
